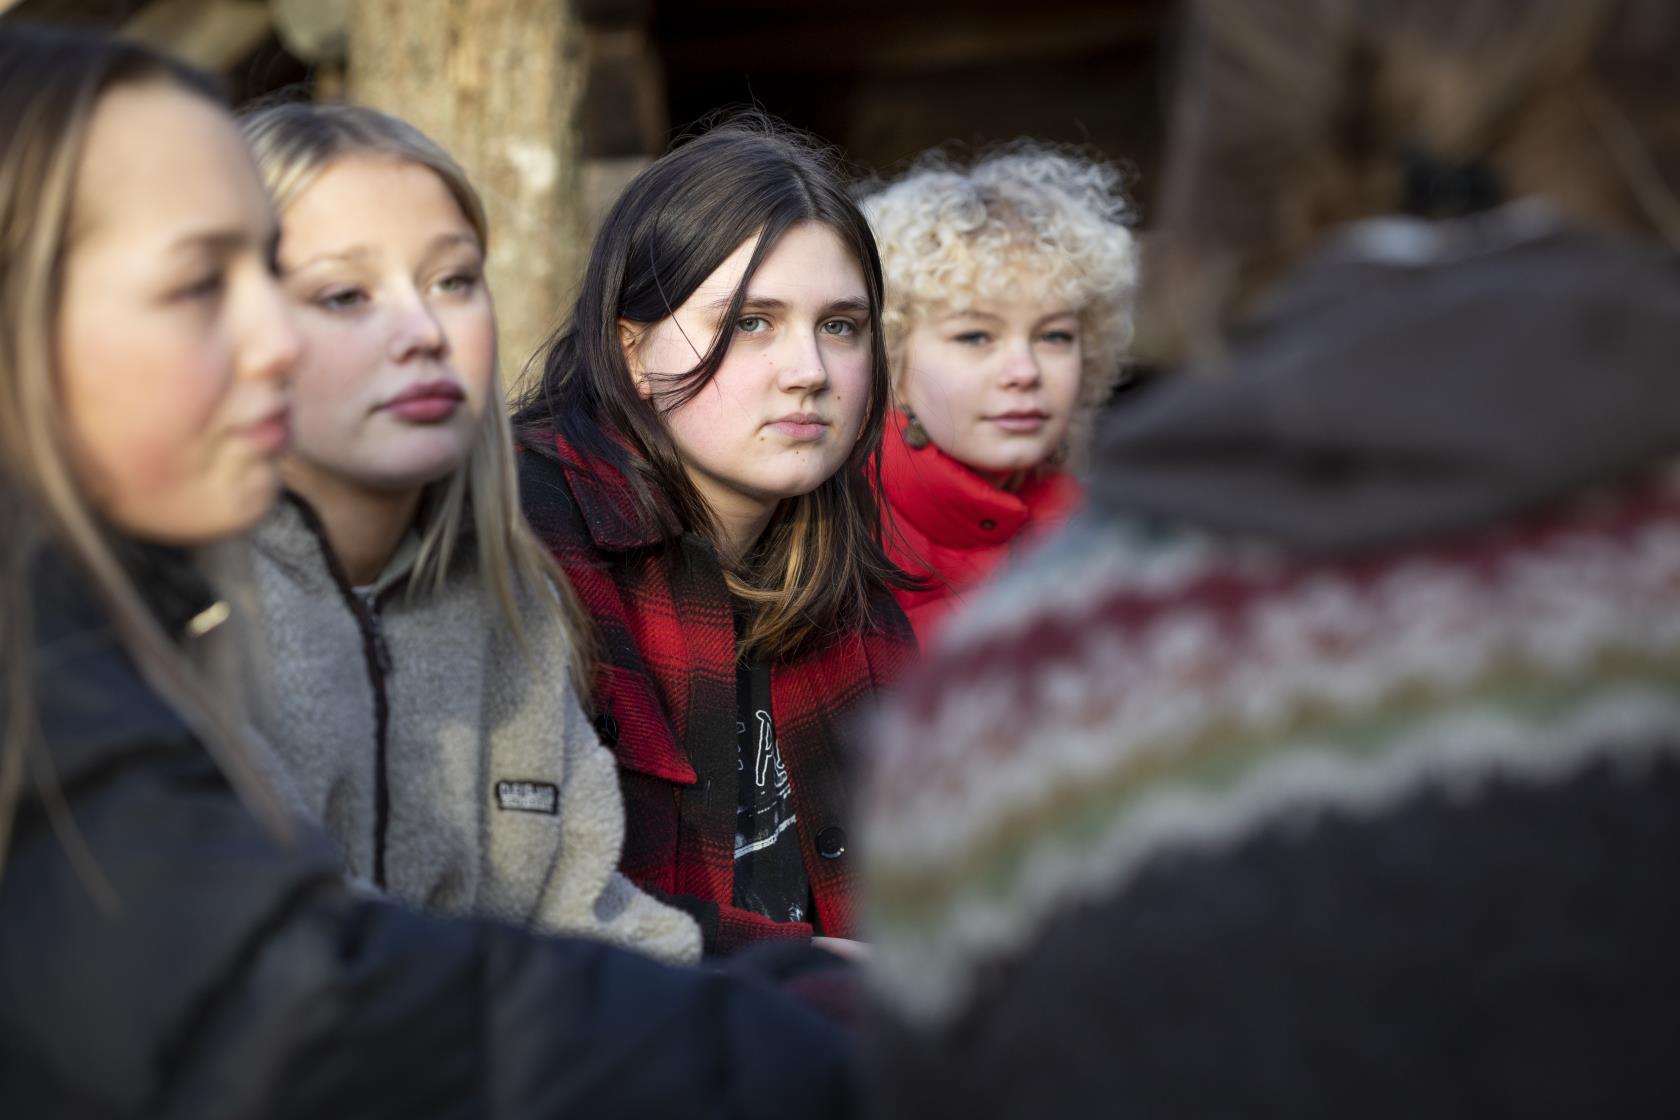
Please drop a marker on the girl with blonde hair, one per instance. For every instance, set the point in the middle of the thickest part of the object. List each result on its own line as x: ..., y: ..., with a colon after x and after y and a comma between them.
x: 171, y: 944
x: 423, y: 651
x: 1008, y: 313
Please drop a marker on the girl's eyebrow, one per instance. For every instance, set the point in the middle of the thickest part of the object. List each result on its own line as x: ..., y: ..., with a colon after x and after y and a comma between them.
x: 445, y: 241
x: 217, y: 242
x: 353, y: 253
x: 969, y: 313
x: 752, y: 303
x: 757, y: 303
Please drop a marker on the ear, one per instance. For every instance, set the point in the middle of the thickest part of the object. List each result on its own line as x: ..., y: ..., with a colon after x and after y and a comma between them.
x: 629, y: 338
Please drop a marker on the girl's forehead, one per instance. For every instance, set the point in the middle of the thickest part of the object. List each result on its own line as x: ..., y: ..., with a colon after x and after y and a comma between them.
x: 808, y: 259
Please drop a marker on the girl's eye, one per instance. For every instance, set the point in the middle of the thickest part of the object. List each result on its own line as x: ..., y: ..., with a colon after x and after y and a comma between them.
x: 839, y: 328
x: 973, y: 338
x: 752, y: 324
x: 1060, y: 338
x: 341, y: 299
x: 458, y: 282
x: 207, y: 287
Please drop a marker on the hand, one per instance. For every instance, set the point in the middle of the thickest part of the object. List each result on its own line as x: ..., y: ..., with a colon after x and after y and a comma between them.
x: 855, y: 951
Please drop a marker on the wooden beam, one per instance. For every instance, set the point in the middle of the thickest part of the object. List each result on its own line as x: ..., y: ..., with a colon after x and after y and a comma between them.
x: 214, y: 34
x: 912, y: 42
x: 498, y: 84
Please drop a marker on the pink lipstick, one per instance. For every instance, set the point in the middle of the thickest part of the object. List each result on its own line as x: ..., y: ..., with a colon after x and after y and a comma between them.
x: 430, y: 402
x: 1021, y: 422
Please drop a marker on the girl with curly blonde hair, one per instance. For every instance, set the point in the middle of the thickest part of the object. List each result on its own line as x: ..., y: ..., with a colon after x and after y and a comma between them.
x: 1009, y: 293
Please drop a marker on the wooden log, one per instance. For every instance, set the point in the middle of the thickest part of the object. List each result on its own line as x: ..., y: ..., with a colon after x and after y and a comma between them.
x: 214, y: 34
x: 316, y: 31
x: 498, y: 84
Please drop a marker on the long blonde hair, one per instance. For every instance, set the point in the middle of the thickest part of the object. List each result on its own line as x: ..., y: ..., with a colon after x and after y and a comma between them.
x: 1295, y: 115
x: 294, y: 143
x: 51, y: 84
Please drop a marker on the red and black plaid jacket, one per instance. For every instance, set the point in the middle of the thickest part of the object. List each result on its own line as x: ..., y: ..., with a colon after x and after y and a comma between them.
x: 665, y: 691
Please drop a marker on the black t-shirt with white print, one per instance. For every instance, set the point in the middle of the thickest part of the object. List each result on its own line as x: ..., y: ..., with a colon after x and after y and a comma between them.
x: 770, y: 874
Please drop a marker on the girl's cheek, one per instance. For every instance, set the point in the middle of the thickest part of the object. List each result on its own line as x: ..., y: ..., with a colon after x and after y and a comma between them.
x: 477, y: 354
x: 133, y: 472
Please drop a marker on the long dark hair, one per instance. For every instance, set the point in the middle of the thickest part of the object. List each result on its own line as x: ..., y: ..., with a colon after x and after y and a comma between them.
x: 820, y: 564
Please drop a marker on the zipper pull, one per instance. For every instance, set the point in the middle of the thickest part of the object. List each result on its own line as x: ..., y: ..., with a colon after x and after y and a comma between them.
x: 376, y: 626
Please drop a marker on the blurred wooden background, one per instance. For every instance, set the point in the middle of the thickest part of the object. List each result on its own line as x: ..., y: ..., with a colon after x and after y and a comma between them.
x: 551, y: 105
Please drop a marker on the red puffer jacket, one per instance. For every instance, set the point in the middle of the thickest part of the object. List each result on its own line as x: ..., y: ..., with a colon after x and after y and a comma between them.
x: 953, y: 527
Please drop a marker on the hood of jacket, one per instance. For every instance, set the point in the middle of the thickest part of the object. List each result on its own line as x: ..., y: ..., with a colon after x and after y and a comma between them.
x: 1414, y: 378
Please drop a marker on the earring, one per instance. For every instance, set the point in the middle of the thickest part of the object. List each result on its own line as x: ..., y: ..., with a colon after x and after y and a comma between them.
x: 914, y: 434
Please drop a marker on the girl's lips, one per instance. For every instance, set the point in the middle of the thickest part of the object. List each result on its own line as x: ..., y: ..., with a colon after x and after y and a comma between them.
x: 1020, y: 422
x: 272, y: 433
x: 801, y: 427
x: 430, y: 402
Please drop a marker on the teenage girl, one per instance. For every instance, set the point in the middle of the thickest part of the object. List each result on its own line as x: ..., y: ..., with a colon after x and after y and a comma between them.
x: 421, y: 648
x: 697, y: 457
x: 1009, y: 292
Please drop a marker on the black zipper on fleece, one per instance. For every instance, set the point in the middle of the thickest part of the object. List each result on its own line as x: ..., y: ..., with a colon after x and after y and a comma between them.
x: 377, y: 656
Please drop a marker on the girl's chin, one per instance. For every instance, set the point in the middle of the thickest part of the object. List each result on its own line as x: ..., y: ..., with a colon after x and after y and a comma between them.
x: 1006, y: 464
x: 407, y: 472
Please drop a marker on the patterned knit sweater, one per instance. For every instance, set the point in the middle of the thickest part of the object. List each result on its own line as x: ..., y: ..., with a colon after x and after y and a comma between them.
x: 1212, y: 814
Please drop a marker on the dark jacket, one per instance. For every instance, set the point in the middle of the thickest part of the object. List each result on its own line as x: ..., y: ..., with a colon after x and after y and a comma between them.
x: 1329, y: 763
x: 238, y: 977
x: 666, y: 691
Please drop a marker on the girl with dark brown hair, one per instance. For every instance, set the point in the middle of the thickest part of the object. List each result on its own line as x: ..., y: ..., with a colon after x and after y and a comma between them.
x: 697, y: 455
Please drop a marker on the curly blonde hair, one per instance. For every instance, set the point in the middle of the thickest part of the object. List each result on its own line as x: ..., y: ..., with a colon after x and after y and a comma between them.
x: 950, y: 233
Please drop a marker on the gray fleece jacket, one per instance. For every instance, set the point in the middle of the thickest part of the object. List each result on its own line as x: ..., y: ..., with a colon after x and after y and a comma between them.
x: 452, y: 773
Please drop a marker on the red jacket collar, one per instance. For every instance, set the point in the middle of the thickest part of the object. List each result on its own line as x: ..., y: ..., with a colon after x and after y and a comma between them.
x: 606, y: 501
x: 953, y: 506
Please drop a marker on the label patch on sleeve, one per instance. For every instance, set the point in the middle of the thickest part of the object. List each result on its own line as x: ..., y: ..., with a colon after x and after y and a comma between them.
x: 528, y: 797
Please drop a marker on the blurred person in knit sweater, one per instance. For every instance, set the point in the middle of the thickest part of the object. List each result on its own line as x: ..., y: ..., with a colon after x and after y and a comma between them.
x: 1327, y: 763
